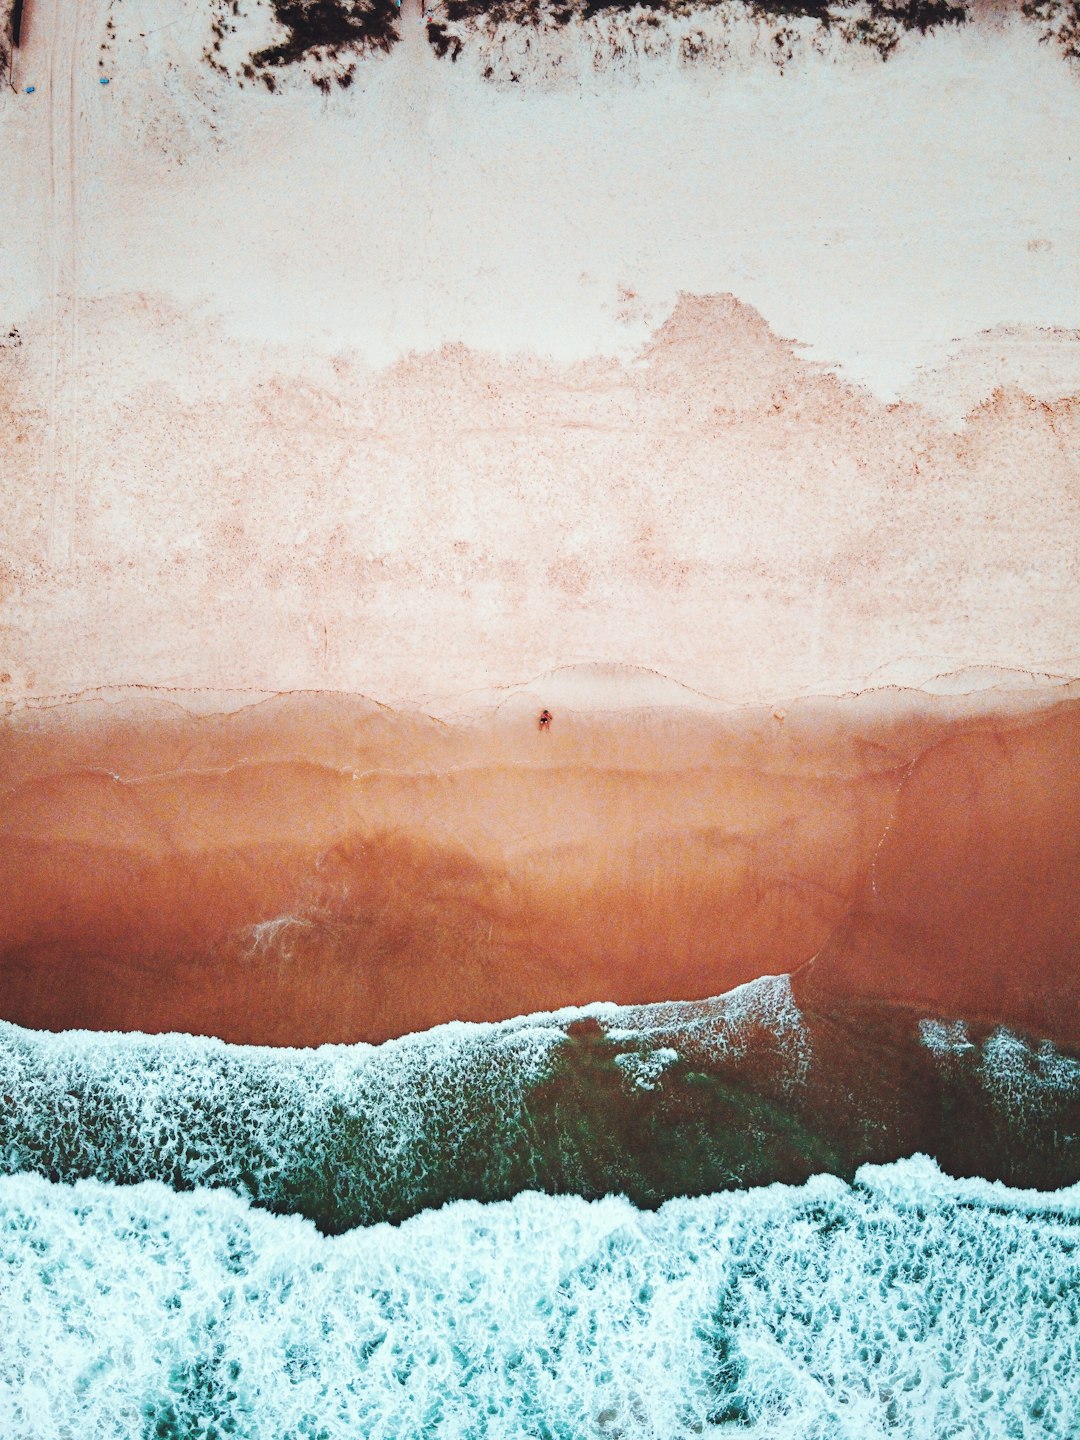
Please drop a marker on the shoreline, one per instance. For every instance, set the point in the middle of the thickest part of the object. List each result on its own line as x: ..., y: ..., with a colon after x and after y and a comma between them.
x: 737, y: 1092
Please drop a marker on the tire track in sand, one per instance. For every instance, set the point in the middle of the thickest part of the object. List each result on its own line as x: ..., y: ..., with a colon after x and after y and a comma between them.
x: 416, y: 116
x: 62, y: 22
x: 418, y: 64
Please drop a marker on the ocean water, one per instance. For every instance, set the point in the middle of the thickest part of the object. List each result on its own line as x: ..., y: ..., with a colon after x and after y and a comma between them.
x: 905, y: 1304
x: 651, y: 1102
x: 654, y: 1221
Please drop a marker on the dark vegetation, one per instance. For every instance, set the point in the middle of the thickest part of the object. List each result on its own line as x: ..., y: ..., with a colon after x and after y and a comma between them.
x: 331, y: 34
x: 921, y: 15
x: 442, y: 42
x: 1059, y: 20
x: 328, y: 27
x: 10, y: 27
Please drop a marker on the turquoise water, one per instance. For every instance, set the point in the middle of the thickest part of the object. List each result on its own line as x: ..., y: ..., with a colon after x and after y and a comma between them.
x: 561, y: 1226
x: 904, y: 1305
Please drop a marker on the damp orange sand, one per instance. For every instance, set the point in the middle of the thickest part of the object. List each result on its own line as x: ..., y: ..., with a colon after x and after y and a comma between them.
x: 318, y: 868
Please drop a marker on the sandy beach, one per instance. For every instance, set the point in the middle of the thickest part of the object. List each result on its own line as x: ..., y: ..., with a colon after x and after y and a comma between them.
x: 684, y: 434
x: 760, y: 378
x: 313, y: 868
x: 539, y: 719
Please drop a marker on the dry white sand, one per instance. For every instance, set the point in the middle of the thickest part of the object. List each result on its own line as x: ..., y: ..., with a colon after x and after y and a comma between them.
x: 236, y: 452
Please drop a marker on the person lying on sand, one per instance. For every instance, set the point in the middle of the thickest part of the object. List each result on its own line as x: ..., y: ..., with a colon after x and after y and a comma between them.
x: 545, y: 719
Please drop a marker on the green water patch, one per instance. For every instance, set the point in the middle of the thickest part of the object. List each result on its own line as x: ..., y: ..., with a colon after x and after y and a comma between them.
x: 652, y: 1103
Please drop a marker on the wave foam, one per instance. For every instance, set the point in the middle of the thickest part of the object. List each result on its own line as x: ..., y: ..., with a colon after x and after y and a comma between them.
x: 589, y: 1100
x: 906, y: 1305
x: 649, y: 1101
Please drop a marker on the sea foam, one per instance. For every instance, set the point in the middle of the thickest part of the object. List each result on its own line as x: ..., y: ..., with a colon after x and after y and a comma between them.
x: 577, y: 1100
x: 651, y: 1102
x: 906, y: 1305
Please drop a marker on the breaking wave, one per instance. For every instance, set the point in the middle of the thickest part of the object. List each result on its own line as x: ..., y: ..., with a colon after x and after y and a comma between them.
x: 650, y: 1102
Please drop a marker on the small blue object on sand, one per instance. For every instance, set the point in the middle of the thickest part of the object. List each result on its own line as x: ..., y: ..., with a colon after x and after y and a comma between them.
x: 104, y: 80
x: 30, y: 89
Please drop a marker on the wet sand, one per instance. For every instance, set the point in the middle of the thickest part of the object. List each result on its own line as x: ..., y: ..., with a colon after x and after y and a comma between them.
x: 315, y: 867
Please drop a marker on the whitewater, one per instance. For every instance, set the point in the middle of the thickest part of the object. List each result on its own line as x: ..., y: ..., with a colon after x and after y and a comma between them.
x: 904, y: 1304
x: 201, y: 1240
x: 652, y: 1102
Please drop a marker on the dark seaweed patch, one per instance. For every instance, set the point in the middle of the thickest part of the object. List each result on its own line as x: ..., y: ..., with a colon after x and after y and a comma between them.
x: 328, y: 26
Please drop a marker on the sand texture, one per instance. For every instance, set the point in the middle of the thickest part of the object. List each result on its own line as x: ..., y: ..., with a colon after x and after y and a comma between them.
x: 666, y: 375
x: 312, y: 868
